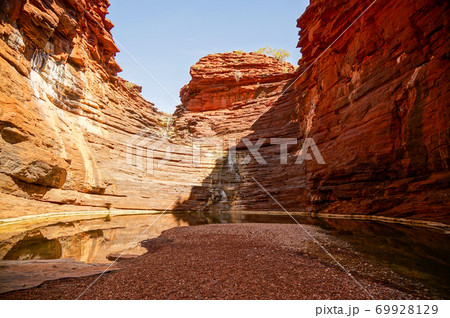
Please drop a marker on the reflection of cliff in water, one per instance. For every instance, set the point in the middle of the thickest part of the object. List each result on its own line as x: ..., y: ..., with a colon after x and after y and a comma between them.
x: 89, y: 241
x: 417, y: 253
x: 34, y: 246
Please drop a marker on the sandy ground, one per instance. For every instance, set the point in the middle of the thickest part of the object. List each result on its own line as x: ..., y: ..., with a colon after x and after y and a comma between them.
x: 237, y: 261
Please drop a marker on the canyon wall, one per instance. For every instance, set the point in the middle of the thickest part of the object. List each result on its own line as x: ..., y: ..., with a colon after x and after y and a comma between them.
x: 371, y: 91
x: 378, y: 105
x: 375, y: 103
x: 66, y: 118
x: 231, y: 97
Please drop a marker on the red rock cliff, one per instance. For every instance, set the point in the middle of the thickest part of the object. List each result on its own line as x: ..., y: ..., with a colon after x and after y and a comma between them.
x: 228, y: 91
x: 375, y: 103
x: 66, y: 119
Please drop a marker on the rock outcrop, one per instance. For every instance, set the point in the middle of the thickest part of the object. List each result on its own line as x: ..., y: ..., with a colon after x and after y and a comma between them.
x: 228, y: 92
x: 375, y: 103
x: 220, y: 81
x: 370, y: 90
x: 228, y: 95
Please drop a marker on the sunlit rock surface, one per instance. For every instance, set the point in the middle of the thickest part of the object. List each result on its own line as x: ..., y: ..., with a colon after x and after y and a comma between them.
x: 66, y: 118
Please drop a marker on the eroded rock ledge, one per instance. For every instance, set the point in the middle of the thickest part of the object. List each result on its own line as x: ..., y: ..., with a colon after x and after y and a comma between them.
x: 375, y: 105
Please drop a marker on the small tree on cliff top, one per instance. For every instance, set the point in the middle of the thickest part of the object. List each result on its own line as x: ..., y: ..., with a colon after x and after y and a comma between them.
x: 277, y: 54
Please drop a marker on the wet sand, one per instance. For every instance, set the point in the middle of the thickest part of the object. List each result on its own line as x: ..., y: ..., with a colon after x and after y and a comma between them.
x: 238, y: 261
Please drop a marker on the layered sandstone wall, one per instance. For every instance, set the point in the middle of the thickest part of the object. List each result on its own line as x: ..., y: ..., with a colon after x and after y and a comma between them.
x: 375, y: 103
x: 228, y: 92
x: 233, y: 96
x: 66, y: 117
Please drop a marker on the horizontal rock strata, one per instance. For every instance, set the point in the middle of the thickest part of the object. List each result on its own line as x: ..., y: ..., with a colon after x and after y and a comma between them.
x: 68, y: 122
x: 371, y: 91
x: 375, y: 103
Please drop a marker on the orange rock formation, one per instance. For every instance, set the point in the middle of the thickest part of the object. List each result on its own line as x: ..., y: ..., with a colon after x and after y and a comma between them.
x: 375, y: 103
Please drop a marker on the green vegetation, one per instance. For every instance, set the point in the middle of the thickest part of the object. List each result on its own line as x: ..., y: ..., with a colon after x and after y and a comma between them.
x: 129, y: 85
x: 238, y: 52
x: 278, y: 54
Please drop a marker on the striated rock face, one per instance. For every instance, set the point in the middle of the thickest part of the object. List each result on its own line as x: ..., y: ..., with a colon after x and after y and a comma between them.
x: 228, y: 95
x: 219, y: 81
x: 375, y: 104
x: 66, y: 117
x: 229, y: 91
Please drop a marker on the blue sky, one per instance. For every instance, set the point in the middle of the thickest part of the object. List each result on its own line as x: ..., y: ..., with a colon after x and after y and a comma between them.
x: 167, y: 37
